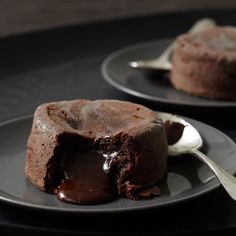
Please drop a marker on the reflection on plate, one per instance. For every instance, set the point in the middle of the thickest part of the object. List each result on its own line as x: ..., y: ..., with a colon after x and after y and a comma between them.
x: 116, y: 71
x: 187, y: 177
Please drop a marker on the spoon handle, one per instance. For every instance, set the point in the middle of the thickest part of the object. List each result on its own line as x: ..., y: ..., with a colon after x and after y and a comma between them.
x: 227, y: 180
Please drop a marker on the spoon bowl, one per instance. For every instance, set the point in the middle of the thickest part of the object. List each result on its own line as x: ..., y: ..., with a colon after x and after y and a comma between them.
x: 189, y: 143
x: 189, y: 140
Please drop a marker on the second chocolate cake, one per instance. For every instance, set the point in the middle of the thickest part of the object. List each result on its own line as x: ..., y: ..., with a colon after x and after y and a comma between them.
x: 204, y: 64
x: 88, y: 152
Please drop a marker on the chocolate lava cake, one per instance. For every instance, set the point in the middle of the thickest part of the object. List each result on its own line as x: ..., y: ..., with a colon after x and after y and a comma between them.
x: 204, y: 64
x: 88, y: 152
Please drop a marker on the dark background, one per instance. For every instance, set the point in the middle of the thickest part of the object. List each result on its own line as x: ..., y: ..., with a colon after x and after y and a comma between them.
x: 32, y: 15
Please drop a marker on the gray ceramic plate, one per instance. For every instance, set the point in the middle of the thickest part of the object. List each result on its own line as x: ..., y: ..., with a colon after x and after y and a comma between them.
x: 157, y: 88
x: 187, y: 177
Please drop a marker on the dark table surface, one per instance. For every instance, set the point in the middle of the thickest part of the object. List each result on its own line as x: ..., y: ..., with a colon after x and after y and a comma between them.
x: 65, y: 64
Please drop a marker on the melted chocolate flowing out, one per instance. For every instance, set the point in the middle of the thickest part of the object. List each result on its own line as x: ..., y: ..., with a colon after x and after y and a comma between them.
x: 86, y: 182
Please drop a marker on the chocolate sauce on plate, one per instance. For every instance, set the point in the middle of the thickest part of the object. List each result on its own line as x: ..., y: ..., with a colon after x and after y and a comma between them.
x: 86, y: 182
x: 174, y: 131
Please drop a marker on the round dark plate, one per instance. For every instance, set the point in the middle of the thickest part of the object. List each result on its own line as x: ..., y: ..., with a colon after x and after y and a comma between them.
x: 187, y: 177
x: 156, y: 88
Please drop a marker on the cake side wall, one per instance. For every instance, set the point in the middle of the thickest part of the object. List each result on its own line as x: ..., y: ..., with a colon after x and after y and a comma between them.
x: 151, y: 164
x: 40, y: 148
x: 148, y: 165
x: 41, y: 145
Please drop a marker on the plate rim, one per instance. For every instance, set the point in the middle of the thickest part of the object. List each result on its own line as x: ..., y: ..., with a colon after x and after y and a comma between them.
x: 119, y: 86
x: 214, y: 183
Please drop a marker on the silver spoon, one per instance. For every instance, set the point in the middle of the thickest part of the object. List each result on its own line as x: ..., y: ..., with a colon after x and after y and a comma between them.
x: 189, y: 143
x: 163, y: 61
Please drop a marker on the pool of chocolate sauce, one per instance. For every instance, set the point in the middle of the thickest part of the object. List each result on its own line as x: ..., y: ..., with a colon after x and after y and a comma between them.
x: 85, y: 180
